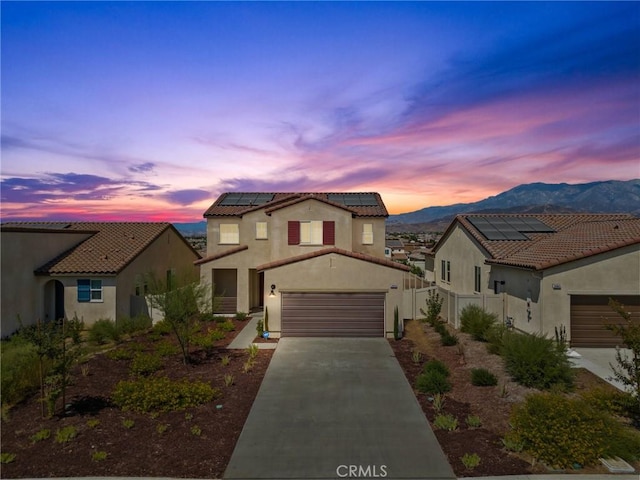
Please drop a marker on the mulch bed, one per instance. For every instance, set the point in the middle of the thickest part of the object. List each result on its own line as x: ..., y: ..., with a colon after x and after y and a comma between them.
x: 196, y: 443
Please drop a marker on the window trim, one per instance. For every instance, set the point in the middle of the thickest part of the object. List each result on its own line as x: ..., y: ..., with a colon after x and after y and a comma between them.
x: 87, y: 287
x: 311, y: 232
x: 445, y: 271
x: 262, y: 231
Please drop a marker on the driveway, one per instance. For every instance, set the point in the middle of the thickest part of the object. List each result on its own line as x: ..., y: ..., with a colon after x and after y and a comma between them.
x: 336, y: 408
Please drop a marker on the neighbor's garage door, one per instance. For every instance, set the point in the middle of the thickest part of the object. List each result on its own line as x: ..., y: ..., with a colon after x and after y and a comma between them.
x: 589, y: 314
x: 333, y: 314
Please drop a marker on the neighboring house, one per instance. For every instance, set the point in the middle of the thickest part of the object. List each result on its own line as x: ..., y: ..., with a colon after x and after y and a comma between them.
x: 314, y: 261
x: 91, y: 270
x: 394, y: 247
x: 550, y: 270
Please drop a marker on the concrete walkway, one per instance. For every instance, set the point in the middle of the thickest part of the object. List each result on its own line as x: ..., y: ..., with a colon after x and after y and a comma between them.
x: 333, y: 408
x: 598, y: 361
x: 248, y: 334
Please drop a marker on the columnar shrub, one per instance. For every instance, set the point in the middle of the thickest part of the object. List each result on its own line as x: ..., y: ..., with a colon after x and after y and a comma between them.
x: 562, y: 431
x: 481, y: 377
x: 475, y: 321
x: 160, y: 394
x: 536, y: 361
x: 436, y: 365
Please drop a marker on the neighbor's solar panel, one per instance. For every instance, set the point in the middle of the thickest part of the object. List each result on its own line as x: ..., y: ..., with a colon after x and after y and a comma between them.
x: 354, y: 199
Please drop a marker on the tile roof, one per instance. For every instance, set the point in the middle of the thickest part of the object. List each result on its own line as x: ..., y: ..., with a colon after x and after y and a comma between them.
x: 281, y: 200
x: 576, y: 236
x: 340, y: 251
x: 112, y: 246
x: 226, y: 253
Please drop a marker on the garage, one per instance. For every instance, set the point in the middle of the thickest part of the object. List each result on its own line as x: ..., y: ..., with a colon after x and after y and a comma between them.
x: 589, y: 314
x: 337, y: 314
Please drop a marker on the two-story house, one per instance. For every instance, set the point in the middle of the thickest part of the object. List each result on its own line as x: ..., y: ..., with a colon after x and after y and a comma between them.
x: 314, y: 261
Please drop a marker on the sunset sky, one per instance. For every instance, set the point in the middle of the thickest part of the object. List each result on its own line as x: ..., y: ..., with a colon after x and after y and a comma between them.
x: 150, y: 110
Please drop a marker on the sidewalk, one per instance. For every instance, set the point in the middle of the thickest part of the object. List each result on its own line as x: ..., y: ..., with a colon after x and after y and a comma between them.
x: 248, y: 334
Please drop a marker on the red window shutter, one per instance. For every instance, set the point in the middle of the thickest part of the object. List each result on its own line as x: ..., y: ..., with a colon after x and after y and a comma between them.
x: 294, y: 232
x: 329, y: 233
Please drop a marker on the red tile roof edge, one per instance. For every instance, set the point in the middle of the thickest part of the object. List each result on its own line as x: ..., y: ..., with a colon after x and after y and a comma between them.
x: 217, y: 256
x: 340, y: 251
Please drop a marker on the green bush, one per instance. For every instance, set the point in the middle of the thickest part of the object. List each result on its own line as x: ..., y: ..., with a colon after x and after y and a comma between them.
x: 260, y: 328
x: 446, y: 422
x: 104, y: 331
x: 241, y: 316
x: 162, y: 328
x: 165, y: 348
x: 19, y: 369
x: 448, y: 339
x: 129, y: 325
x: 494, y: 336
x: 562, y: 431
x: 66, y: 434
x: 481, y: 377
x: 160, y: 394
x: 439, y: 327
x: 475, y: 321
x: 433, y: 382
x: 208, y: 340
x: 437, y: 366
x: 145, y: 364
x: 120, y: 354
x: 227, y: 326
x: 536, y: 361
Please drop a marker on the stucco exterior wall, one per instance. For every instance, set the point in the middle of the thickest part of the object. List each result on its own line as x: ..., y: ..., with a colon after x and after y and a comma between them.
x: 22, y: 292
x: 89, y: 312
x: 333, y: 273
x: 521, y: 290
x: 464, y: 253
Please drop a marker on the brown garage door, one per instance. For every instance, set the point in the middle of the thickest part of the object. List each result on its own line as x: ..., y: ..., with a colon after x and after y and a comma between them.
x: 589, y: 314
x: 333, y: 314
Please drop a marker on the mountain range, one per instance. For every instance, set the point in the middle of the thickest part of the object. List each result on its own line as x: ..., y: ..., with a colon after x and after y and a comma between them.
x: 612, y: 196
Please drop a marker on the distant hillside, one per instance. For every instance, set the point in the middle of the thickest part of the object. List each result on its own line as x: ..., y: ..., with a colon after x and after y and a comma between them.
x: 597, y: 197
x: 191, y: 229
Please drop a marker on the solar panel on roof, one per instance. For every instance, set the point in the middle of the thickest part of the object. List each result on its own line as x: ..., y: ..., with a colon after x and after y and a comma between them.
x: 246, y: 199
x: 354, y: 199
x: 508, y: 228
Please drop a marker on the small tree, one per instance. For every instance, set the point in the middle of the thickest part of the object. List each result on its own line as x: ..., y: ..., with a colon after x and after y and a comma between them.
x: 396, y: 324
x: 434, y: 306
x: 266, y: 319
x: 184, y: 303
x: 628, y: 369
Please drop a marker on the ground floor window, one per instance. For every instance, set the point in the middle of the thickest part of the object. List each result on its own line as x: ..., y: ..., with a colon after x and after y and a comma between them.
x: 89, y: 290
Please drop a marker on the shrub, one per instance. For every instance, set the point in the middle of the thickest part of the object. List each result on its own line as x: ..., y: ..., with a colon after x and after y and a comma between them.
x: 260, y: 328
x: 228, y: 379
x: 128, y: 423
x: 434, y: 306
x: 160, y: 394
x: 416, y: 356
x: 165, y: 348
x: 225, y: 360
x: 162, y: 427
x: 473, y: 421
x: 98, y: 456
x: 439, y: 327
x: 470, y: 461
x: 561, y: 431
x: 120, y: 354
x: 494, y: 336
x: 208, y: 340
x: 439, y: 400
x: 446, y: 422
x: 437, y: 366
x: 196, y: 430
x: 93, y: 422
x: 19, y: 367
x: 162, y: 328
x: 104, y: 331
x: 130, y: 325
x: 145, y: 364
x: 241, y: 316
x: 66, y: 434
x: 396, y: 324
x: 433, y: 382
x: 227, y: 326
x: 475, y: 321
x: 41, y: 435
x: 481, y: 377
x: 253, y: 350
x: 6, y: 457
x: 448, y: 339
x: 535, y: 361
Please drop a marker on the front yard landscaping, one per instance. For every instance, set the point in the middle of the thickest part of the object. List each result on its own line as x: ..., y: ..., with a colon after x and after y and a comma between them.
x: 473, y: 415
x: 189, y: 433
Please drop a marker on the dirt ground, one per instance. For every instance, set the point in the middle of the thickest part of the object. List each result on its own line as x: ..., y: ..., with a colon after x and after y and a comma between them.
x: 492, y: 404
x: 196, y: 443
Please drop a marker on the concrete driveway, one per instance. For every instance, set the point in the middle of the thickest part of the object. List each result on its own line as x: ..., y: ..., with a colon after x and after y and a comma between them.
x: 598, y: 361
x: 336, y: 408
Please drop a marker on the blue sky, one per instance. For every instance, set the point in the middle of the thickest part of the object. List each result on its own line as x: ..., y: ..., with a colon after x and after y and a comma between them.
x: 150, y: 110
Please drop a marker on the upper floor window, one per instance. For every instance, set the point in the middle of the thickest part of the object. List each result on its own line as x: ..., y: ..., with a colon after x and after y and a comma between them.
x: 311, y: 233
x: 261, y: 230
x: 477, y: 278
x: 367, y: 234
x: 229, y: 233
x: 89, y: 290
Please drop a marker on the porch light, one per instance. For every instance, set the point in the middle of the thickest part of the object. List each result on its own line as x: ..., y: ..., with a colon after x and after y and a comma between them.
x: 272, y: 293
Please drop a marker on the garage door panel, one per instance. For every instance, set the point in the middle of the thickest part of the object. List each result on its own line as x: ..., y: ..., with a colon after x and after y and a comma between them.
x: 590, y: 313
x: 333, y: 314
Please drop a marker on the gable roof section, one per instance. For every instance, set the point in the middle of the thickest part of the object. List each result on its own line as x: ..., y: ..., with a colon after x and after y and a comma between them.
x: 110, y: 248
x: 576, y: 236
x: 281, y: 200
x: 339, y: 251
x: 217, y: 256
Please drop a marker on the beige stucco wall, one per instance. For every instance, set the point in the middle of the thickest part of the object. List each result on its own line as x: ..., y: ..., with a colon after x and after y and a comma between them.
x: 89, y: 312
x: 464, y: 253
x: 333, y: 273
x: 22, y: 292
x: 610, y: 273
x: 242, y: 261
